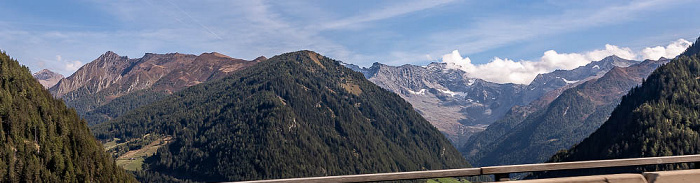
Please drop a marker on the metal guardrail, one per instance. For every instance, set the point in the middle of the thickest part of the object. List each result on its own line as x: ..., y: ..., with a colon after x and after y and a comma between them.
x: 501, y: 172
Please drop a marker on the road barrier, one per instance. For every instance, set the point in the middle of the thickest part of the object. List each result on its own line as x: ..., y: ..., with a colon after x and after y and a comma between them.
x: 502, y: 173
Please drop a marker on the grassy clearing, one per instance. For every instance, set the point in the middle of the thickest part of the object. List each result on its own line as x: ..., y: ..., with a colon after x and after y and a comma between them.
x: 111, y: 144
x: 133, y: 158
x: 131, y: 164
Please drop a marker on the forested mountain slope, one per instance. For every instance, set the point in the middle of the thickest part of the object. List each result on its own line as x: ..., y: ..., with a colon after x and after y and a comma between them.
x: 660, y: 118
x: 295, y: 115
x: 567, y: 120
x: 42, y: 140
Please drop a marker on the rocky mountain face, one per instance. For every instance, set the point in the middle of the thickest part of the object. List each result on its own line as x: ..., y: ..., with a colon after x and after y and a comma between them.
x: 298, y: 114
x: 47, y: 78
x: 544, y: 83
x: 456, y: 104
x: 460, y: 106
x: 521, y: 138
x: 111, y: 76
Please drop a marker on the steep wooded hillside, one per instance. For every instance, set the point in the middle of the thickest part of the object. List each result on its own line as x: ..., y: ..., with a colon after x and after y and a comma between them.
x: 42, y: 140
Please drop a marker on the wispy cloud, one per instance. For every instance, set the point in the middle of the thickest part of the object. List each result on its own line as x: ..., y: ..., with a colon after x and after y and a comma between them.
x: 492, y: 32
x: 194, y: 20
x: 387, y: 12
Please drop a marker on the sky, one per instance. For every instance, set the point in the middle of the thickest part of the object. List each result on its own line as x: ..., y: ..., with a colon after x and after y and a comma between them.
x: 499, y: 41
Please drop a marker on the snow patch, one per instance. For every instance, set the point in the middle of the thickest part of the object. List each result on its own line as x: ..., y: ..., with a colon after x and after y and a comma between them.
x: 569, y: 82
x: 451, y: 93
x: 471, y: 82
x: 596, y: 67
x: 420, y: 92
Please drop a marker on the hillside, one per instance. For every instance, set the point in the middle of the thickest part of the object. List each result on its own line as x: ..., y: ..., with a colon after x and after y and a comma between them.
x: 42, y: 139
x: 659, y: 118
x: 295, y: 115
x: 111, y: 84
x: 568, y: 119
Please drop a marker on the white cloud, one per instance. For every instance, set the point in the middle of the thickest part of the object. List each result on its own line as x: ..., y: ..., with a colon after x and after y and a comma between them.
x: 672, y: 50
x: 68, y: 66
x: 523, y: 72
x: 552, y: 60
x: 498, y: 70
x: 73, y: 66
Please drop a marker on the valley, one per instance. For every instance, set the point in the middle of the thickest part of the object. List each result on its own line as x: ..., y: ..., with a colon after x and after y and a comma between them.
x: 481, y: 119
x: 349, y: 91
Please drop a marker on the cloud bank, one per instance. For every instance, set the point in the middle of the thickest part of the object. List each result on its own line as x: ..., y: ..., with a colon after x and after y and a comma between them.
x: 500, y: 70
x: 672, y: 50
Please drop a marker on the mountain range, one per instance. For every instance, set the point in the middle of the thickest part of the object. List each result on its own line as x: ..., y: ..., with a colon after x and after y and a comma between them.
x: 460, y: 106
x: 111, y: 84
x: 297, y: 114
x: 175, y: 106
x: 562, y: 122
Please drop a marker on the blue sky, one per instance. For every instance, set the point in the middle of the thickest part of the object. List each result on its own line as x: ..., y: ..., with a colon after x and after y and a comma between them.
x: 62, y: 36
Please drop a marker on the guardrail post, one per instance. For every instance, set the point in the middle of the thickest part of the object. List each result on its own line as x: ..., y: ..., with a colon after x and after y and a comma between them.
x: 502, y: 177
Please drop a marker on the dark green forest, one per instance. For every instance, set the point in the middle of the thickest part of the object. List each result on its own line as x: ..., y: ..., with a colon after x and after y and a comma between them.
x: 295, y: 115
x: 42, y: 139
x: 660, y: 118
x: 121, y: 105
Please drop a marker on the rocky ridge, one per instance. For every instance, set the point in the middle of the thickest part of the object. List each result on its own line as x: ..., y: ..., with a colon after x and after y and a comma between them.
x: 47, y: 78
x: 112, y: 76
